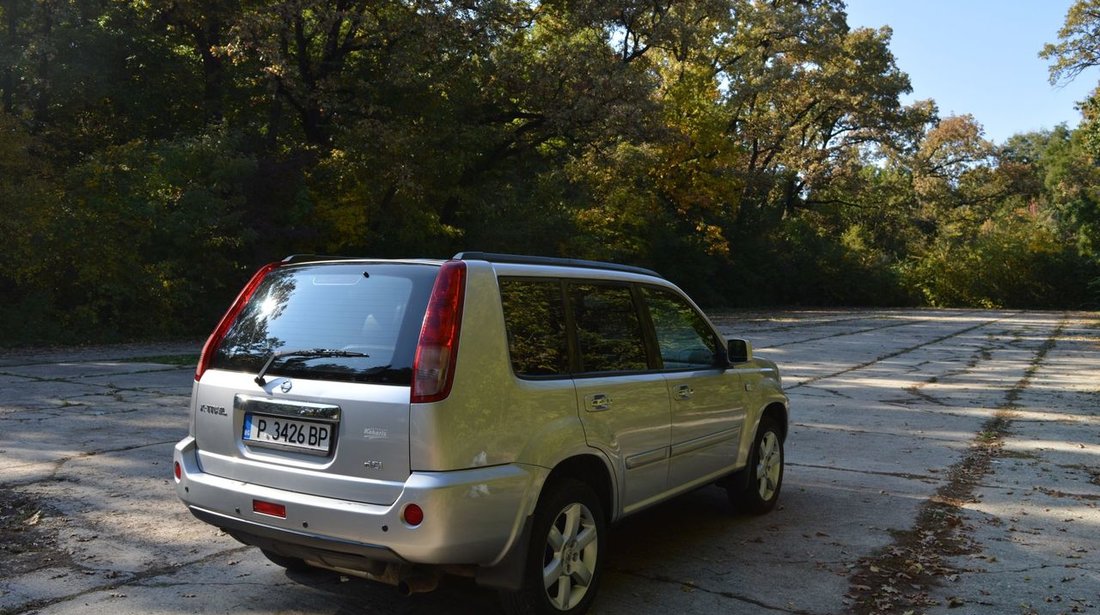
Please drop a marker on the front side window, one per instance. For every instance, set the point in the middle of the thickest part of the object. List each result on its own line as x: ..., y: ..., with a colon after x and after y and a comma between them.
x: 684, y: 339
x: 365, y: 317
x: 609, y: 332
x: 534, y: 316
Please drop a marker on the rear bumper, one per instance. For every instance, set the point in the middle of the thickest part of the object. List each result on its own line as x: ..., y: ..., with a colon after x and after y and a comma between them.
x: 471, y: 517
x: 303, y: 545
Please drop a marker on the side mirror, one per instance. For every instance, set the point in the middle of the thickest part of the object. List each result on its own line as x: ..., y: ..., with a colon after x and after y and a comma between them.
x: 739, y: 351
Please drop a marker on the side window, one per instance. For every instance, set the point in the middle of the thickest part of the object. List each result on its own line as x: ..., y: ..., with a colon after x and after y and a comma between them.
x: 535, y: 319
x: 684, y: 339
x: 609, y: 333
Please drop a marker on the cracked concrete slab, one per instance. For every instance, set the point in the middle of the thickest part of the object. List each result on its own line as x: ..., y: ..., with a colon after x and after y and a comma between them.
x: 73, y: 370
x: 886, y: 405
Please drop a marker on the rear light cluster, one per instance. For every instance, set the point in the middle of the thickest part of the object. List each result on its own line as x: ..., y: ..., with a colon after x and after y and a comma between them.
x: 434, y: 366
x: 216, y: 337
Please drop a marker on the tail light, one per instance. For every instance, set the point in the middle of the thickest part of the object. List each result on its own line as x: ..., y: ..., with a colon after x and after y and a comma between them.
x: 434, y: 366
x: 216, y: 337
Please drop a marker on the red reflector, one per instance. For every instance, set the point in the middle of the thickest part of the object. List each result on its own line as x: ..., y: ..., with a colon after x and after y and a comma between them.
x: 269, y: 508
x: 413, y: 515
x: 179, y: 471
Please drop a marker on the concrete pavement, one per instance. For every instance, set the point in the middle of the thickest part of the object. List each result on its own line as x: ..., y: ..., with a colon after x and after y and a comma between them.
x: 938, y: 460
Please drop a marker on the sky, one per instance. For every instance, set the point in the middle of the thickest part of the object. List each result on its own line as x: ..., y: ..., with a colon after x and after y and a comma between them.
x: 980, y: 57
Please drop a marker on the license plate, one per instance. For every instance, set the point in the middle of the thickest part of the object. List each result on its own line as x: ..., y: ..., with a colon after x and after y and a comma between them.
x: 281, y: 432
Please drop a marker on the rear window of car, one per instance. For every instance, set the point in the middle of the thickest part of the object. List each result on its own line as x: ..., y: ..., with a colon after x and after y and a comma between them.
x: 371, y: 311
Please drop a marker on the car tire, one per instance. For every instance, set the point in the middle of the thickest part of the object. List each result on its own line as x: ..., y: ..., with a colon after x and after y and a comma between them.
x: 759, y: 492
x: 292, y: 564
x: 565, y: 557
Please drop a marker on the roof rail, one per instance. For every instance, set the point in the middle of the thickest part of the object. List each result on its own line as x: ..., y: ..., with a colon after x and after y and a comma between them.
x: 520, y: 259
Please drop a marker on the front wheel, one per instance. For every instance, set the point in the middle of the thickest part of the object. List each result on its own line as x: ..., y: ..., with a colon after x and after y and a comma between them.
x: 760, y: 493
x: 565, y: 557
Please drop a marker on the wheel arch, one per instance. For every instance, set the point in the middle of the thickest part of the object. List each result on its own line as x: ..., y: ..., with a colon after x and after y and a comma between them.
x: 777, y: 412
x: 588, y: 467
x: 593, y: 470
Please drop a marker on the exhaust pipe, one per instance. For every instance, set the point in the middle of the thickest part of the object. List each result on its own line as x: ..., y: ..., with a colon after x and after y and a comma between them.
x: 417, y: 583
x: 407, y: 579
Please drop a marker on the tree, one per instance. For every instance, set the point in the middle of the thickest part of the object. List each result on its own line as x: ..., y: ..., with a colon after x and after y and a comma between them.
x: 804, y: 97
x: 1077, y: 50
x: 1078, y: 46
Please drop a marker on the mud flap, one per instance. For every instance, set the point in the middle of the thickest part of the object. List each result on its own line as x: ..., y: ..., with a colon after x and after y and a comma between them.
x: 737, y: 481
x: 508, y: 573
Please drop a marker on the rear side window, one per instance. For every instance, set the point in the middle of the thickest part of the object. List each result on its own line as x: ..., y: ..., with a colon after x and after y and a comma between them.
x: 372, y: 311
x: 609, y: 332
x: 534, y: 316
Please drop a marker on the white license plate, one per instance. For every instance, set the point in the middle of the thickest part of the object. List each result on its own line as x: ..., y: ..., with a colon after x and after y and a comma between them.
x: 281, y: 432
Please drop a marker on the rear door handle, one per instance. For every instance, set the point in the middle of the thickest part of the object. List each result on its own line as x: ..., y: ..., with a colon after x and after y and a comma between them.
x: 598, y: 402
x: 684, y: 391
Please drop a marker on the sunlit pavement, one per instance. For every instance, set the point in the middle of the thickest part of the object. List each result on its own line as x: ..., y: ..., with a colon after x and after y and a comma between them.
x: 887, y: 407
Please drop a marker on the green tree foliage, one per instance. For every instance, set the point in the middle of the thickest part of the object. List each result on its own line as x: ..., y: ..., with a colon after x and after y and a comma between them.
x: 1078, y: 46
x: 153, y: 153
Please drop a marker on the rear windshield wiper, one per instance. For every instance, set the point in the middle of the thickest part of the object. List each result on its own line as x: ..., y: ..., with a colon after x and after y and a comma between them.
x: 312, y: 353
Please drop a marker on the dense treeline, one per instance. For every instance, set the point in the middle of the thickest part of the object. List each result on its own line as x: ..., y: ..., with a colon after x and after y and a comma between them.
x: 154, y: 152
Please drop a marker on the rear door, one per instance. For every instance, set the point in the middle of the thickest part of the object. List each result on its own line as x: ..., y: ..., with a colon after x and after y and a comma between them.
x: 331, y: 414
x: 624, y: 403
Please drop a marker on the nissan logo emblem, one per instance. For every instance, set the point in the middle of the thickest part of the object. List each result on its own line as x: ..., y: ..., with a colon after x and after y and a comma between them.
x: 286, y: 386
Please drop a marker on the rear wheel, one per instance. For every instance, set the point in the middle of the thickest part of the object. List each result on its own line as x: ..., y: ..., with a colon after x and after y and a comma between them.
x: 565, y: 558
x: 760, y: 492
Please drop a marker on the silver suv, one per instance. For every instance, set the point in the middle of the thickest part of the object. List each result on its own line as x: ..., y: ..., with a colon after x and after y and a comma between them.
x: 487, y: 415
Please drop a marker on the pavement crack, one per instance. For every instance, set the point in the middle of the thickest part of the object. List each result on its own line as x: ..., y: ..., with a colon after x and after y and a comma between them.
x: 692, y: 586
x: 896, y: 353
x: 916, y: 392
x: 119, y: 582
x: 207, y: 583
x: 905, y: 475
x: 1029, y: 569
x: 1057, y: 493
x: 834, y: 393
x: 887, y: 432
x: 60, y: 463
x: 846, y: 333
